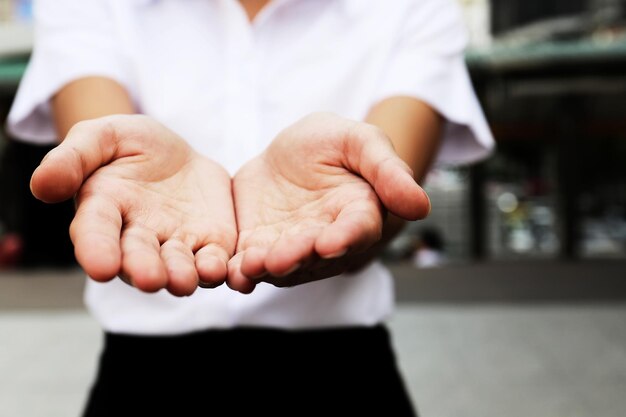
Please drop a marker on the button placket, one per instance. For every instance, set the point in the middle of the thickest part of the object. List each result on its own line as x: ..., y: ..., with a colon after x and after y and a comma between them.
x: 240, y: 123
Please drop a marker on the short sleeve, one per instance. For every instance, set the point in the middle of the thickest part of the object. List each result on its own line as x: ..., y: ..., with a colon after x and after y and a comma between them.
x: 73, y: 39
x: 427, y: 62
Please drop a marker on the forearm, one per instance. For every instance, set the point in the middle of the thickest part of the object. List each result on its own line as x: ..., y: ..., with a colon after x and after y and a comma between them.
x: 88, y: 98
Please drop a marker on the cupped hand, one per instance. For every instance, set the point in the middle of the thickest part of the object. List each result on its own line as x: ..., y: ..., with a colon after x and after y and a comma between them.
x: 315, y: 199
x: 148, y: 208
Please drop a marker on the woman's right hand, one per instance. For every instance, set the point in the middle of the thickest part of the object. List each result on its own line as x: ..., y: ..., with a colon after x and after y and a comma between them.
x: 148, y: 207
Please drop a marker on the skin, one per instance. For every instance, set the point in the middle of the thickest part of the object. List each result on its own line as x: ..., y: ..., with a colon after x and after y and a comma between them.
x: 144, y: 208
x: 324, y: 186
x: 146, y: 212
x: 253, y: 7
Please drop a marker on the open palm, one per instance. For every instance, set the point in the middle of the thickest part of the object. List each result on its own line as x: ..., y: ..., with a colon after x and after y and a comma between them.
x: 148, y: 208
x: 314, y: 198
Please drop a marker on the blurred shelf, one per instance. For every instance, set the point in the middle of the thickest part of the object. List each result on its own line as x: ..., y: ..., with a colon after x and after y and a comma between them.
x: 539, y: 55
x: 15, y: 38
x: 11, y: 71
x: 16, y: 42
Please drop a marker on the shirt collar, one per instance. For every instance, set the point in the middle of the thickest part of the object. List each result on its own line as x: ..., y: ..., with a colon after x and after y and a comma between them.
x: 349, y: 7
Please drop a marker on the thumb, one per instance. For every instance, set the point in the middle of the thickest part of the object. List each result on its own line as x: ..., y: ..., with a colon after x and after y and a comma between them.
x: 87, y: 146
x: 371, y: 155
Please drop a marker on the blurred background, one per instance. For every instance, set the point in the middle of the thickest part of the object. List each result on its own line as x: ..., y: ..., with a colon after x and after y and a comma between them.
x: 512, y: 293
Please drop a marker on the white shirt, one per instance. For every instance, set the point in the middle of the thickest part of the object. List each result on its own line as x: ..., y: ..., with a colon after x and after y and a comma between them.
x: 228, y: 87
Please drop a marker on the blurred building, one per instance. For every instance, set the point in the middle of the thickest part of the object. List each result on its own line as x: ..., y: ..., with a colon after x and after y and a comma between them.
x: 551, y: 75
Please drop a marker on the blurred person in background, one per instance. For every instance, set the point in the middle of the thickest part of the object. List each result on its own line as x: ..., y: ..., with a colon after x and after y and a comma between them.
x: 237, y: 167
x: 11, y: 247
x: 429, y: 248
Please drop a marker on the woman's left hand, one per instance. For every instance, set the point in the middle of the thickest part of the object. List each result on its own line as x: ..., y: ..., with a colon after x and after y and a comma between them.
x: 310, y: 205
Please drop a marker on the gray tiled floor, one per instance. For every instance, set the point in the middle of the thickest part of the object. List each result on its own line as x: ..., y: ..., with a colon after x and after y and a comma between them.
x: 460, y: 359
x: 540, y: 361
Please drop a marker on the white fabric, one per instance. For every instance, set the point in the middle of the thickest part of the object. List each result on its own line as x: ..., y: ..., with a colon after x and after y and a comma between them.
x: 228, y: 87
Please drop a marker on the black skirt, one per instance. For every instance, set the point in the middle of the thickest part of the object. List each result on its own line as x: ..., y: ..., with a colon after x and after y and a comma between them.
x: 250, y: 371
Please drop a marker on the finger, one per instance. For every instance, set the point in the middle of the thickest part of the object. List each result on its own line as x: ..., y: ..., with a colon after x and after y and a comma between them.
x: 305, y: 271
x: 290, y: 252
x: 141, y: 259
x: 57, y: 178
x: 371, y: 155
x: 212, y: 265
x: 253, y: 262
x: 236, y: 280
x: 180, y: 265
x: 95, y: 233
x: 356, y: 228
x: 87, y: 146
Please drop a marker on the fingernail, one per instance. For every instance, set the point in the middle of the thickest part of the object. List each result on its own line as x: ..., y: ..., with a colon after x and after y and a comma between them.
x: 204, y: 284
x: 430, y: 206
x: 290, y: 270
x: 336, y: 254
x: 259, y: 276
x: 46, y: 156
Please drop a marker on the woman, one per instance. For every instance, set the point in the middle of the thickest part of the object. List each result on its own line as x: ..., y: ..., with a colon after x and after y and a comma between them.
x: 264, y: 151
